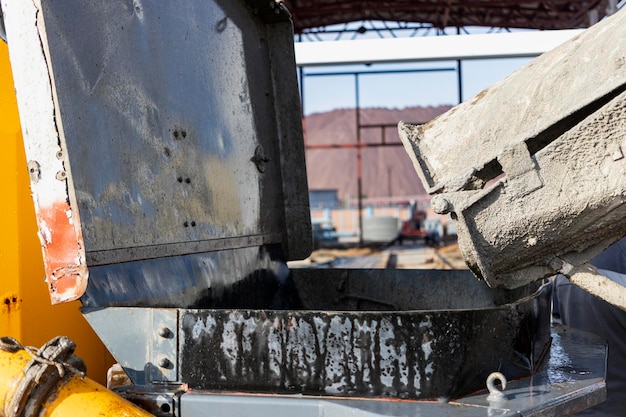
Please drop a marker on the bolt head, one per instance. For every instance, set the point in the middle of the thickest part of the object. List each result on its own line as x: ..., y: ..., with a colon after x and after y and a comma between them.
x: 441, y: 205
x: 165, y: 332
x: 164, y: 363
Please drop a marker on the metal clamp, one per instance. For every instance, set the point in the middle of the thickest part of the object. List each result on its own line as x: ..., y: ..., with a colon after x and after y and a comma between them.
x: 46, y: 369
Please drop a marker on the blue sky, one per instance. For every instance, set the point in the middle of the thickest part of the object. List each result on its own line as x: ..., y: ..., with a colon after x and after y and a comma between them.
x: 398, y: 90
x: 324, y: 93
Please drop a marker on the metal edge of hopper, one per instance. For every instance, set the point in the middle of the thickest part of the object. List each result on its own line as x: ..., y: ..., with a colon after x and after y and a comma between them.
x: 298, y: 241
x: 55, y: 207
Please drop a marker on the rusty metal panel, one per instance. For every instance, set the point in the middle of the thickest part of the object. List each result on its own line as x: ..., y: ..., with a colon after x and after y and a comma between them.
x: 533, y: 168
x: 158, y: 129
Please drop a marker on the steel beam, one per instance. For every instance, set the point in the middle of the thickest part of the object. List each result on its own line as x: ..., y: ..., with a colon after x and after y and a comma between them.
x: 431, y: 48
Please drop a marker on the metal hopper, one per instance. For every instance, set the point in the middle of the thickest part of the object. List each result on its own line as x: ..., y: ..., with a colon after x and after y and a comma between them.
x: 167, y: 166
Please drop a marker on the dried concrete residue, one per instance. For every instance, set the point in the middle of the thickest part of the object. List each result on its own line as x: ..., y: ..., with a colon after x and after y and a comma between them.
x: 510, y: 232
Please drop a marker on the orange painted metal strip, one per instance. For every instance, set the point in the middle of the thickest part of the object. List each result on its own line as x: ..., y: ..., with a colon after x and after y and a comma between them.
x: 64, y: 261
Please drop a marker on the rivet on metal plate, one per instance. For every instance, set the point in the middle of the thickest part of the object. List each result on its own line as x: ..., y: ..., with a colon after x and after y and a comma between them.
x: 260, y: 159
x: 441, y: 205
x: 164, y: 363
x: 165, y: 332
x: 34, y: 171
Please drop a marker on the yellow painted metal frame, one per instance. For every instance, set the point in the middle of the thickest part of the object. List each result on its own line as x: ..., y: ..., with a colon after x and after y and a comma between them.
x: 25, y: 310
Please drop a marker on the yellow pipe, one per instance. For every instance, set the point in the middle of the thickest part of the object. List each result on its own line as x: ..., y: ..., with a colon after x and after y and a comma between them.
x: 73, y: 396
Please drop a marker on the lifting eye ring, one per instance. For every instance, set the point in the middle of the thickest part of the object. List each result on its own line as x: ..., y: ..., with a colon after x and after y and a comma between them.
x: 494, y: 393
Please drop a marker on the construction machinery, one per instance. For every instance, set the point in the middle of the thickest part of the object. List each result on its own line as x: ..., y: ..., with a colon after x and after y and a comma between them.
x: 532, y: 169
x: 165, y: 156
x: 413, y: 228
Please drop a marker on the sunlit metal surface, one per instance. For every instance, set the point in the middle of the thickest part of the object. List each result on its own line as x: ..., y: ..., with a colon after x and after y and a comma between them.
x: 158, y: 129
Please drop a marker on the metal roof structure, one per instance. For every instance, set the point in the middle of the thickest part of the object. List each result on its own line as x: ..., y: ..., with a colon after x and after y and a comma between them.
x: 441, y: 14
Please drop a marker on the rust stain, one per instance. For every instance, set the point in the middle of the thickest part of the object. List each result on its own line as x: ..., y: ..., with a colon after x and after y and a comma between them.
x: 10, y: 302
x: 64, y: 259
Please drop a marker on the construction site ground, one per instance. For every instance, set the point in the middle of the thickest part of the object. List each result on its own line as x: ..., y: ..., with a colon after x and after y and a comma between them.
x: 407, y: 256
